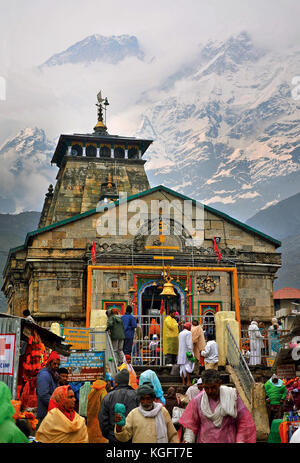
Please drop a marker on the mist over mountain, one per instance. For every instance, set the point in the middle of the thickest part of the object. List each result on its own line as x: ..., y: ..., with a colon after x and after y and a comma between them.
x: 13, y: 230
x: 26, y: 171
x: 97, y: 47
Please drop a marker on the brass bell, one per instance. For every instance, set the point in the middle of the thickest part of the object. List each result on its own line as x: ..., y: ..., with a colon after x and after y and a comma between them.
x: 154, y: 283
x: 131, y: 289
x: 168, y: 290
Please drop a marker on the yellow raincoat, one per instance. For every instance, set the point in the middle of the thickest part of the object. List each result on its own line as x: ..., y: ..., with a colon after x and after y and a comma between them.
x: 170, y: 336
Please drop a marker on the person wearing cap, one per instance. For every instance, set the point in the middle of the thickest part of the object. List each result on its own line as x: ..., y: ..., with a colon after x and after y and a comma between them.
x: 46, y: 383
x: 275, y: 395
x: 150, y: 422
x: 170, y: 338
x: 129, y: 324
x: 185, y: 347
x: 133, y: 382
x: 194, y: 389
x: 122, y: 393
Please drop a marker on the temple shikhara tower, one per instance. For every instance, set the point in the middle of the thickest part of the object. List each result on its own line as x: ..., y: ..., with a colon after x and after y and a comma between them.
x: 101, y: 185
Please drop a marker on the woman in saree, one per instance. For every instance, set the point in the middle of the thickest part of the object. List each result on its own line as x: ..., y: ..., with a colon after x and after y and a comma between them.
x: 62, y: 424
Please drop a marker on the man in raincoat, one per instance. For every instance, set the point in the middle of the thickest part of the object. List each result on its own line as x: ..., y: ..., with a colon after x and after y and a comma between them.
x: 170, y: 338
x: 9, y: 432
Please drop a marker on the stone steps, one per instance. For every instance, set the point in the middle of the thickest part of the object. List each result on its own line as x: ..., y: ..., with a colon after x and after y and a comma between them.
x: 167, y: 380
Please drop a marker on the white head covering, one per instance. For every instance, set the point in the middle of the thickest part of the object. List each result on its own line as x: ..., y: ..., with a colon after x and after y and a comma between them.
x: 199, y: 381
x: 254, y: 321
x: 274, y: 320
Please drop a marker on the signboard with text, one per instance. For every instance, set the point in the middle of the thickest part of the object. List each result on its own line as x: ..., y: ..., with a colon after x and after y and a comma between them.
x: 84, y: 365
x: 7, y: 353
x: 286, y: 371
x: 78, y: 337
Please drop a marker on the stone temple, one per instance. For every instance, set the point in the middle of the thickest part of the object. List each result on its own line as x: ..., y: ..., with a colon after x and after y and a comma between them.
x: 142, y: 238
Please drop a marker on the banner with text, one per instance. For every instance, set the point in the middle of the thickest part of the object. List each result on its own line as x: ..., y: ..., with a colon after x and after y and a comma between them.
x: 84, y: 365
x: 7, y: 353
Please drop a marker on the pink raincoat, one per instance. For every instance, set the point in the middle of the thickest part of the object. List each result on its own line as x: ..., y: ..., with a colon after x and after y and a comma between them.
x: 232, y: 430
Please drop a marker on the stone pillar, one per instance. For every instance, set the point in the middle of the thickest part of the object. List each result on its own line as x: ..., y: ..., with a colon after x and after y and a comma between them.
x: 55, y: 328
x: 140, y: 153
x: 126, y: 153
x: 69, y: 152
x: 83, y: 151
x: 112, y: 152
x: 221, y: 320
x: 98, y: 152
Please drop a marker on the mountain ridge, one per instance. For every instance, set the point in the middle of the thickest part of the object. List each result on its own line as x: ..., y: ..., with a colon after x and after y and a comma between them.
x: 97, y: 47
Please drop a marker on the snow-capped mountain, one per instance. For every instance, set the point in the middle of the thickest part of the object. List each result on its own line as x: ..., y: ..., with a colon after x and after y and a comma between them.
x: 226, y: 127
x: 25, y: 170
x: 112, y: 49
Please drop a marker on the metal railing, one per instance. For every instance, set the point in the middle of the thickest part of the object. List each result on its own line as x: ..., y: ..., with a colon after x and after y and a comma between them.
x: 100, y: 341
x: 238, y: 363
x: 269, y: 347
x: 147, y: 350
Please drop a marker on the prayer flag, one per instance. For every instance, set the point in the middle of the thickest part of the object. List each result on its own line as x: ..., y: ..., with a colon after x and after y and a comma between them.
x: 216, y: 249
x: 93, y: 255
x: 162, y: 307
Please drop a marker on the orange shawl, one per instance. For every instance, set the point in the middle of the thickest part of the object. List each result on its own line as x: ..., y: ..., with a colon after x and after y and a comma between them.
x: 95, y: 398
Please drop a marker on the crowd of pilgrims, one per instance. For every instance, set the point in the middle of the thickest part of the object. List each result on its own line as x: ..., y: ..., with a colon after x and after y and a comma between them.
x: 111, y: 410
x: 132, y: 408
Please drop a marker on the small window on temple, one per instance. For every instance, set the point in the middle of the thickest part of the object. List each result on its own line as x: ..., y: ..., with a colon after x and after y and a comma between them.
x: 133, y: 153
x: 114, y: 284
x: 104, y: 152
x: 91, y: 151
x: 76, y: 150
x: 119, y: 153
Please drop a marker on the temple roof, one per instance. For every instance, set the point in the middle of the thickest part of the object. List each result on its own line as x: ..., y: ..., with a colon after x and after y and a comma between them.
x: 67, y: 139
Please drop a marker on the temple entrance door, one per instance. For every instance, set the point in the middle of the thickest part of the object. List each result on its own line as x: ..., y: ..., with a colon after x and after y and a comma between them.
x: 207, y: 313
x: 208, y: 323
x: 151, y: 304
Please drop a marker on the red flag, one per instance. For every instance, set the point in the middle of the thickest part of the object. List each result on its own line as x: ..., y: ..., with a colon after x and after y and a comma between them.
x: 93, y: 254
x: 162, y: 307
x: 217, y: 250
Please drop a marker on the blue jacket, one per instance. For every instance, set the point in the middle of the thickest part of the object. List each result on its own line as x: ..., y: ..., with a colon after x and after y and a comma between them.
x: 45, y: 386
x: 129, y: 324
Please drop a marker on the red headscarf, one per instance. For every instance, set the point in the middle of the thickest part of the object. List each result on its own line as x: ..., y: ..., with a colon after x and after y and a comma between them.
x: 187, y: 326
x: 128, y: 358
x: 53, y: 356
x: 58, y: 400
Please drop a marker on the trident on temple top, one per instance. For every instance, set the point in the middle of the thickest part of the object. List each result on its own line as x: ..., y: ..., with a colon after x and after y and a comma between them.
x: 101, y: 126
